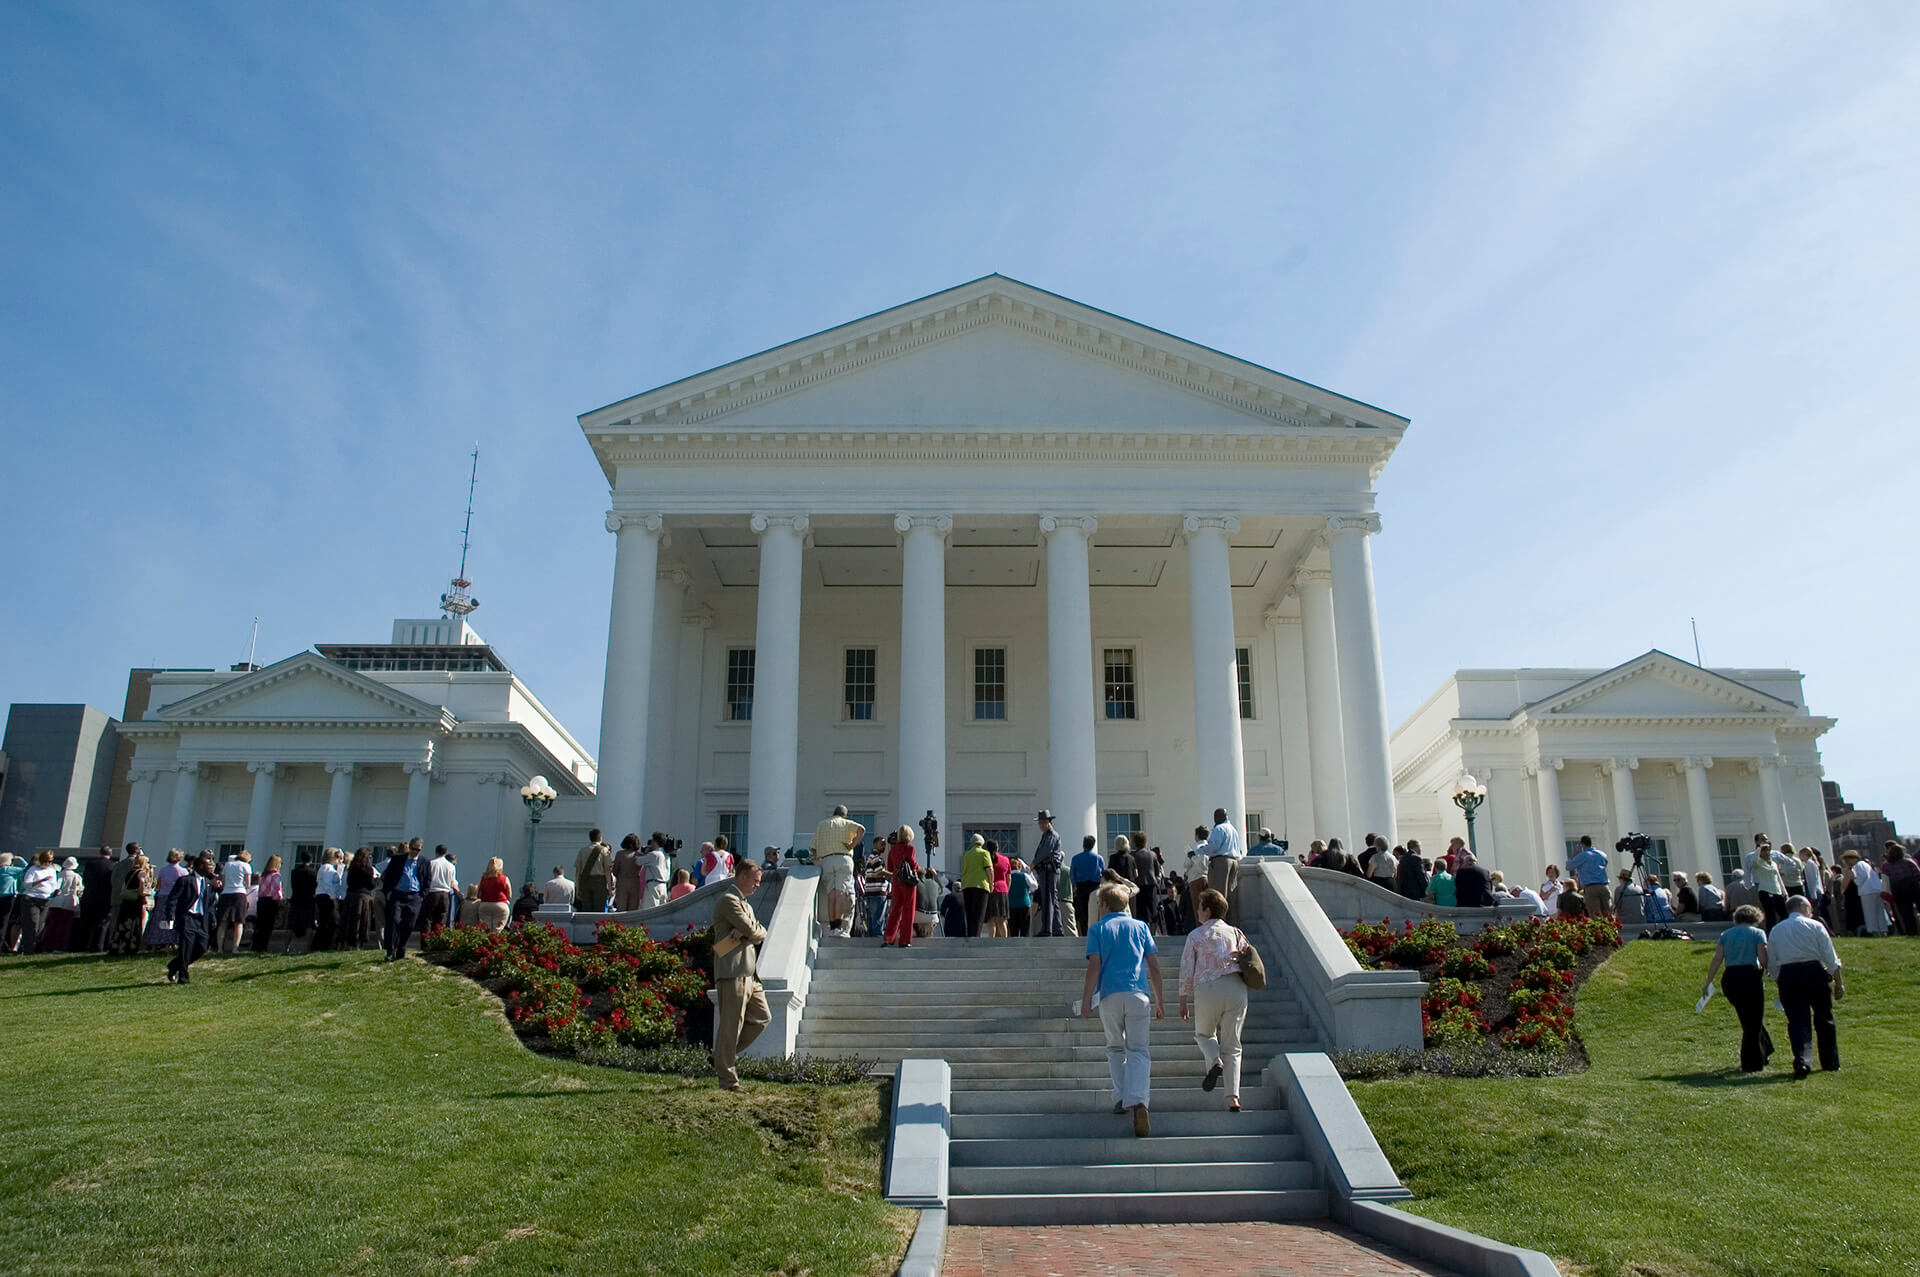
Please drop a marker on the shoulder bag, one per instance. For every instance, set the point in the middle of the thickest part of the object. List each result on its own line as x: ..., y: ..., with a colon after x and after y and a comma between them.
x: 1253, y: 972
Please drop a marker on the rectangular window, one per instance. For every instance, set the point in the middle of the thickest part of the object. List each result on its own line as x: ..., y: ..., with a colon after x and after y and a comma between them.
x: 1730, y: 857
x: 1256, y: 820
x: 733, y: 827
x: 860, y: 680
x: 1120, y: 698
x: 1656, y: 862
x: 1243, y: 671
x: 1122, y: 824
x: 311, y: 849
x: 740, y: 685
x: 228, y: 850
x: 866, y: 820
x: 990, y: 683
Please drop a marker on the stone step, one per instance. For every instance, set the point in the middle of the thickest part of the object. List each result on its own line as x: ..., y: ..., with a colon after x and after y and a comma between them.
x: 1128, y: 1148
x: 828, y: 995
x: 1088, y: 1072
x: 1100, y: 1120
x: 993, y: 1020
x: 1134, y: 1177
x: 1263, y: 1045
x: 1037, y: 1209
x: 1038, y: 1057
x: 1064, y: 986
x: 1064, y: 1095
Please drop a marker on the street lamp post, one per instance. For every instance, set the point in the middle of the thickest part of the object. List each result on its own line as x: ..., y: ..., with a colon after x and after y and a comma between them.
x: 538, y: 795
x: 1467, y: 796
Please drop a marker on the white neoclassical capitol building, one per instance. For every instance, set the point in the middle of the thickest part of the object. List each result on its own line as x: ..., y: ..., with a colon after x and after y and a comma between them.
x: 983, y: 553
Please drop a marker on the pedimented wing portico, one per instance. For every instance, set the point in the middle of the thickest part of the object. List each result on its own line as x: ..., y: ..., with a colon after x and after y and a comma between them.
x: 1156, y: 547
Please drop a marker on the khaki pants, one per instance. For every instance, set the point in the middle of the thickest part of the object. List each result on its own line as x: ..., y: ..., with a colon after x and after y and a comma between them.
x: 737, y: 1021
x: 626, y: 895
x: 1223, y: 875
x: 1599, y: 900
x: 1219, y: 1011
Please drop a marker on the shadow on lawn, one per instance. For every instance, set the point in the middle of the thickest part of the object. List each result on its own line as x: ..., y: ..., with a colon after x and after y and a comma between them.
x: 1720, y: 1077
x: 280, y: 971
x: 148, y: 983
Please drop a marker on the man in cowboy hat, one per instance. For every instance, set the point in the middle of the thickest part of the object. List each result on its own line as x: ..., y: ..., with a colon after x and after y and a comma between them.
x: 1046, y: 867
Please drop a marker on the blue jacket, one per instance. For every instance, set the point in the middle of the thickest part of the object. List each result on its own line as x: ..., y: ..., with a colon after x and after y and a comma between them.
x: 1088, y: 866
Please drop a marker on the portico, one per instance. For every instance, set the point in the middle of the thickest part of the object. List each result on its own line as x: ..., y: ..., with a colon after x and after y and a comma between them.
x: 992, y: 551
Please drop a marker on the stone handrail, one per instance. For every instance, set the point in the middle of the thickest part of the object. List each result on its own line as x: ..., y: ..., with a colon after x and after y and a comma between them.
x: 1354, y: 1008
x: 693, y: 909
x: 787, y: 959
x: 1348, y: 899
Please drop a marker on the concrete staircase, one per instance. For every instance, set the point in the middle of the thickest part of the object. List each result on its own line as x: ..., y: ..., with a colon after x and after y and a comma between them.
x: 1034, y: 1137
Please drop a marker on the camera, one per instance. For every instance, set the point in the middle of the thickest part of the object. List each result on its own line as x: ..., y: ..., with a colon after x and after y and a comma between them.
x: 1636, y: 846
x: 930, y: 826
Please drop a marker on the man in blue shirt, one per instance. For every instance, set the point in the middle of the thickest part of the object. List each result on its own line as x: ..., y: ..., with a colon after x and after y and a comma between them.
x: 1120, y: 964
x: 1267, y: 846
x: 1087, y: 868
x: 402, y: 880
x: 1589, y: 869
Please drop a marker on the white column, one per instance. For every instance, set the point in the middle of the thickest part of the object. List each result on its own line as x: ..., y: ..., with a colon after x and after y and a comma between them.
x: 419, y: 783
x: 1073, y: 792
x: 690, y: 727
x: 186, y: 790
x: 139, y: 804
x: 1626, y: 804
x: 1706, y: 852
x: 1326, y: 743
x: 339, y: 806
x: 1218, y: 752
x: 1290, y: 708
x: 1773, y: 798
x: 669, y: 605
x: 260, y: 810
x: 1553, y: 829
x: 1363, y: 684
x: 623, y: 702
x: 923, y: 670
x: 773, y: 764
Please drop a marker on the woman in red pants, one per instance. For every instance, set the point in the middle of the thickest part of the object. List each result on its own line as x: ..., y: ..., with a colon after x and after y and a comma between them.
x: 906, y: 891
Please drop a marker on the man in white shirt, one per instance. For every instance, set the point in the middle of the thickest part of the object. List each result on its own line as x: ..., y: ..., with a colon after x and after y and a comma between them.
x: 558, y: 889
x: 834, y: 840
x: 236, y: 876
x: 442, y: 891
x: 329, y: 890
x: 1806, y: 971
x: 653, y: 873
x: 1225, y: 851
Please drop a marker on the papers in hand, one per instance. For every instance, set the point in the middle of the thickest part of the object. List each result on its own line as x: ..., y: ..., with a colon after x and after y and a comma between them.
x: 1705, y: 998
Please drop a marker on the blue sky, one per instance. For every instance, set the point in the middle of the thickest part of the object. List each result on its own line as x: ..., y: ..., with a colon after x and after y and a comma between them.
x: 1643, y: 276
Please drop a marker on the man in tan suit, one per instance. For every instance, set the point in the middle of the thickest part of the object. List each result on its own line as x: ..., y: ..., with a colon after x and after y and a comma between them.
x: 591, y: 870
x: 742, y: 1010
x: 835, y: 839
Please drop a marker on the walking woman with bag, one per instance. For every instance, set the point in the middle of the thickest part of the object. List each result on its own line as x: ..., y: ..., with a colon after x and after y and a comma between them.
x: 1213, y: 991
x: 1742, y: 951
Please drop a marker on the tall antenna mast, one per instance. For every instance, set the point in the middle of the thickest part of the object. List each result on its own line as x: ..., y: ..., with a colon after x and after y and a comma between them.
x: 1696, y: 642
x: 253, y: 641
x: 456, y: 602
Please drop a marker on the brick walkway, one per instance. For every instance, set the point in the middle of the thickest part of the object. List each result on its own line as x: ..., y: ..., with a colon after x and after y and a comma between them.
x: 1176, y: 1250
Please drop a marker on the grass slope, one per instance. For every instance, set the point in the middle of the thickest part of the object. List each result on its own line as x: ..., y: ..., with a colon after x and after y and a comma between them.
x: 331, y: 1113
x: 1664, y: 1159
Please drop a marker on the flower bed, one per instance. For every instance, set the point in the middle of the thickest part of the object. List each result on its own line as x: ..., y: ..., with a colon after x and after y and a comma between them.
x: 1509, y: 989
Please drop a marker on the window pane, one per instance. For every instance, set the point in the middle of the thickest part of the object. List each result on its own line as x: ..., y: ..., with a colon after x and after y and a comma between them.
x: 990, y: 683
x: 1730, y: 857
x: 860, y: 682
x: 1119, y: 683
x: 740, y: 684
x: 1125, y: 824
x: 1243, y: 667
x: 733, y: 827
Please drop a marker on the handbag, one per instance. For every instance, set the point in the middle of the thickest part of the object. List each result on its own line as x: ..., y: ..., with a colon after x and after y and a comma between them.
x: 1253, y: 972
x: 906, y: 875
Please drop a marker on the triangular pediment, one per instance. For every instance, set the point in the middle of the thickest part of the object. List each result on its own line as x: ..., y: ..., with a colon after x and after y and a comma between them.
x: 992, y: 354
x: 304, y: 688
x: 1658, y: 685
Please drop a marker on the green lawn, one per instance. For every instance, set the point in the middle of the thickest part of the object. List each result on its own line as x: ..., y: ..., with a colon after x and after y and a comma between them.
x: 333, y: 1114
x: 1663, y: 1158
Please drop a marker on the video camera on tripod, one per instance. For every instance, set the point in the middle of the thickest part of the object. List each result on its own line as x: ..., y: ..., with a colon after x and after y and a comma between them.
x: 1636, y: 846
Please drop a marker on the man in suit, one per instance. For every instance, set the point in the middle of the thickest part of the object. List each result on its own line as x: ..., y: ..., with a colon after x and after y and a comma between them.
x: 402, y: 880
x: 742, y: 1011
x: 591, y: 870
x: 192, y: 903
x: 1472, y: 885
x: 1047, y: 859
x: 97, y: 881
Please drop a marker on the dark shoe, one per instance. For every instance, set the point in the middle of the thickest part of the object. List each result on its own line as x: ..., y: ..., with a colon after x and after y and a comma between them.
x: 1800, y: 1071
x: 1142, y: 1124
x: 1118, y: 1108
x: 1212, y: 1079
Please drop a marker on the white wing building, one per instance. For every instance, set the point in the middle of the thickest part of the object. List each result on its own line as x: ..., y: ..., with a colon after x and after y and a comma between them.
x: 986, y: 552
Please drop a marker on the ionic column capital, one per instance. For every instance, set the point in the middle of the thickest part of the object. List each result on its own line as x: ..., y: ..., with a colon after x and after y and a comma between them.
x: 674, y: 574
x: 1701, y: 761
x: 335, y: 769
x: 1339, y: 523
x: 764, y: 523
x: 622, y: 520
x: 269, y: 770
x: 1612, y: 765
x: 136, y: 775
x: 1312, y: 576
x: 1086, y: 524
x: 700, y: 616
x: 1210, y: 522
x: 1273, y: 618
x: 941, y: 523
